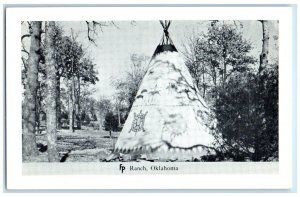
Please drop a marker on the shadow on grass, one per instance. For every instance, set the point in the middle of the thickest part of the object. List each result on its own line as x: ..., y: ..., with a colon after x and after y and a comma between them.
x: 107, y: 136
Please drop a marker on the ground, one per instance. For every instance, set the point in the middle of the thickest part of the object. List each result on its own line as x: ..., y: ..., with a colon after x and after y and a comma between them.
x: 88, y: 145
x: 82, y: 145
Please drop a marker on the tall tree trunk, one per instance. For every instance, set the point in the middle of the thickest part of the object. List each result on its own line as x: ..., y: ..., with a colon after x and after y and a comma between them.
x: 78, y: 114
x: 38, y: 108
x: 100, y: 119
x: 58, y: 103
x: 51, y: 93
x: 215, y: 87
x: 119, y: 115
x: 265, y: 46
x: 261, y: 108
x: 224, y: 76
x: 204, y: 84
x: 28, y: 140
x: 72, y: 105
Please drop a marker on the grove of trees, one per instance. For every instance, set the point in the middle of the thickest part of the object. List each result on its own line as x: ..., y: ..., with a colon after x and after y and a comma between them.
x: 55, y: 72
x: 241, y: 89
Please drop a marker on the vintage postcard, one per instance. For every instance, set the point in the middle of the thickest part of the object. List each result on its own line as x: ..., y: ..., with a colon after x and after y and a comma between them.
x: 117, y: 92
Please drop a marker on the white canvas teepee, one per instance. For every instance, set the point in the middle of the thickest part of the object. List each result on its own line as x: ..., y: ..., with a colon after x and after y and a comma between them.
x: 168, y: 115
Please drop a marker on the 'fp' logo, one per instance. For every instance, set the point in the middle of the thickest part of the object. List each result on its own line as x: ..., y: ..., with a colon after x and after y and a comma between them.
x: 122, y: 168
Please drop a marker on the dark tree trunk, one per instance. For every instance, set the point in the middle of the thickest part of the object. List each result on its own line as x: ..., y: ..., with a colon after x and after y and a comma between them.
x: 204, y: 84
x: 78, y: 114
x: 58, y: 103
x: 224, y: 76
x: 51, y: 93
x: 38, y: 106
x: 100, y: 120
x: 119, y: 115
x: 72, y: 105
x: 28, y: 140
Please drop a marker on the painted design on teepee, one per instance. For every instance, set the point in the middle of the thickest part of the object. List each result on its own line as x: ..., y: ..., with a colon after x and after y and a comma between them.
x: 174, y: 125
x: 138, y: 122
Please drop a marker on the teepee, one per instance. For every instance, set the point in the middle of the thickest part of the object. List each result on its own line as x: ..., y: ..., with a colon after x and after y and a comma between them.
x: 169, y: 118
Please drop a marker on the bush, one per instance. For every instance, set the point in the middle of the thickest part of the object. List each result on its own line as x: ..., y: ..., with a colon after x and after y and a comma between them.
x: 111, y: 122
x: 247, y: 115
x: 85, y: 119
x: 94, y: 117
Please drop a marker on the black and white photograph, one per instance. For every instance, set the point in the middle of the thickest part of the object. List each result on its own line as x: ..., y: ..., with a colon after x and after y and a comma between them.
x: 150, y: 91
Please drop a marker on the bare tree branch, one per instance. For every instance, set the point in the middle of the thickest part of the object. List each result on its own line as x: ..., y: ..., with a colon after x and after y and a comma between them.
x: 23, y: 50
x: 24, y: 63
x: 29, y: 26
x: 22, y: 44
x: 93, y: 26
x: 25, y: 36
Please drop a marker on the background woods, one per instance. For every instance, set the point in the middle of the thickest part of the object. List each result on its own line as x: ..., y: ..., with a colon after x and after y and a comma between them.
x: 66, y: 114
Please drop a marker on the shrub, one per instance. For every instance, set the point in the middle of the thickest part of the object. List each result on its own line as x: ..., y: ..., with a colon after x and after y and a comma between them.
x: 111, y: 122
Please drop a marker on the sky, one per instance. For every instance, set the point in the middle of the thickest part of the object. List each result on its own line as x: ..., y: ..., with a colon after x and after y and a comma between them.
x: 114, y: 45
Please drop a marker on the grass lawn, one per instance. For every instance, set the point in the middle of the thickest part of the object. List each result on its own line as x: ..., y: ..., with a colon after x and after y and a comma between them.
x: 85, y: 145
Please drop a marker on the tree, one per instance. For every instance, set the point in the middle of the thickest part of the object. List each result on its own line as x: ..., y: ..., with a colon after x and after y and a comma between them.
x: 85, y: 75
x: 29, y: 116
x: 66, y: 54
x: 78, y: 70
x: 127, y: 87
x: 213, y: 57
x: 59, y: 52
x: 51, y: 70
x: 265, y: 46
x: 237, y: 120
x: 252, y: 129
x: 103, y: 106
x: 266, y: 141
x: 68, y: 59
x: 111, y: 123
x: 93, y: 28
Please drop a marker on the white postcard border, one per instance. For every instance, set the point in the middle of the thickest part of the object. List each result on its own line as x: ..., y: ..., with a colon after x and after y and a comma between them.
x: 15, y: 179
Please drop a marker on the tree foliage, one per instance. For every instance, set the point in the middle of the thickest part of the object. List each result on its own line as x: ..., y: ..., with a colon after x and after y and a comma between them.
x: 127, y: 87
x: 245, y: 103
x: 215, y: 56
x: 111, y: 122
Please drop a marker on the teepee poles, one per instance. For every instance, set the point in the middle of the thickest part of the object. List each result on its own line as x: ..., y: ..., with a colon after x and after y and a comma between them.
x: 166, y: 38
x: 166, y: 43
